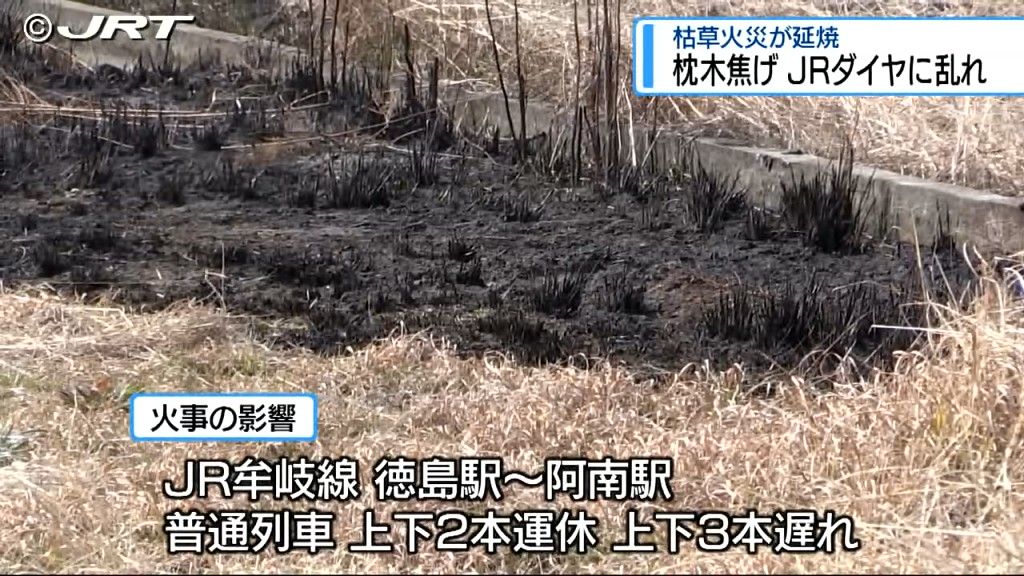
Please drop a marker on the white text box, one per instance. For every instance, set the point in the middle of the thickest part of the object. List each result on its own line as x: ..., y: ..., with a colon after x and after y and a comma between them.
x: 223, y: 417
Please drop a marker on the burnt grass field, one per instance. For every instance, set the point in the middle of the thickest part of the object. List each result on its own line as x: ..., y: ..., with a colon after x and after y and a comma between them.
x: 248, y: 188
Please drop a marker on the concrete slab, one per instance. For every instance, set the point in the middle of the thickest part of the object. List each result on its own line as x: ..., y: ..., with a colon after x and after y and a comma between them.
x: 187, y: 42
x: 990, y: 222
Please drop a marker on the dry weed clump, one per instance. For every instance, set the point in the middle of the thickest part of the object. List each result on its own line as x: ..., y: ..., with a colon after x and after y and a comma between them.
x: 926, y: 459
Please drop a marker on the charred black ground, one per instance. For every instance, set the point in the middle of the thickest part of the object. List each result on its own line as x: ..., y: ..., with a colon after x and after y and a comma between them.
x: 181, y: 188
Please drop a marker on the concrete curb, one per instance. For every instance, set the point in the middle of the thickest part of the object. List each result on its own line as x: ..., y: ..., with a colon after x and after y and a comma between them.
x: 990, y: 222
x: 187, y: 42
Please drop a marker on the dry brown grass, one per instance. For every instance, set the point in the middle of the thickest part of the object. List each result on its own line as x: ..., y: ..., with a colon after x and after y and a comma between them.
x: 970, y: 141
x: 926, y: 459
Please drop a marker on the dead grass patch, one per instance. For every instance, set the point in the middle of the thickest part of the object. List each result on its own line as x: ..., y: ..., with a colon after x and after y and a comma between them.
x: 926, y: 459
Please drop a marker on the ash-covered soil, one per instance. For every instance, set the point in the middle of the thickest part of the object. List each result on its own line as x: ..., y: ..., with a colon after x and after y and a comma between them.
x: 353, y: 234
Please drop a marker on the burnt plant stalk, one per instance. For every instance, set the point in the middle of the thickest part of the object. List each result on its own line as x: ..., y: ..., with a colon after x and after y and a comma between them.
x: 497, y: 65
